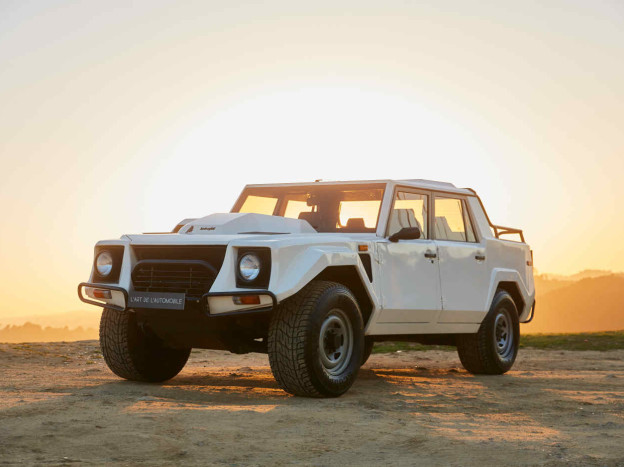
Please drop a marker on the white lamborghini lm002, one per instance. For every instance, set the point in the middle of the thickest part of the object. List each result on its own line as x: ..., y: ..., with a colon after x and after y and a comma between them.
x: 313, y: 274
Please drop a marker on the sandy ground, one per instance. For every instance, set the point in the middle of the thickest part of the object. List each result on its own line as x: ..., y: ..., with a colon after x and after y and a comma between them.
x: 59, y: 404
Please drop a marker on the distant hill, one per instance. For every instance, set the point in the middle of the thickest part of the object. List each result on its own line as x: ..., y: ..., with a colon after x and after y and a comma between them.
x: 589, y: 304
x: 584, y: 274
x: 587, y: 301
x: 88, y: 318
x: 30, y: 332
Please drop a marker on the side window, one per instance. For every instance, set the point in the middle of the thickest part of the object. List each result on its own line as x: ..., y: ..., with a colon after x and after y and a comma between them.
x: 409, y: 210
x: 452, y: 221
x: 259, y: 205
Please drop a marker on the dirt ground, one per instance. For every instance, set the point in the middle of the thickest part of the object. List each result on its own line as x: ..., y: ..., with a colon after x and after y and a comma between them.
x: 59, y: 404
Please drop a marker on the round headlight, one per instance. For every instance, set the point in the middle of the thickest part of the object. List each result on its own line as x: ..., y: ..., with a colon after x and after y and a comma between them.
x: 249, y: 267
x: 104, y: 263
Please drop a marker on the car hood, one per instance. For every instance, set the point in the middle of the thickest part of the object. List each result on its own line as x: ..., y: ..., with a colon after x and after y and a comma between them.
x: 220, y: 229
x: 240, y: 223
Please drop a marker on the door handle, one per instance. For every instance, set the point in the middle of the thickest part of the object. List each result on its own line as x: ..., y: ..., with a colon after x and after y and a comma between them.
x: 480, y: 257
x: 430, y: 255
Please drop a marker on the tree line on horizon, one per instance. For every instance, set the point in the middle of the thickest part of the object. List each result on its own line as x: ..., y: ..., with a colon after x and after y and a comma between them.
x: 29, y: 332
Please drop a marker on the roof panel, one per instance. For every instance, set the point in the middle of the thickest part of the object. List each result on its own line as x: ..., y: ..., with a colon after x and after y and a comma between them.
x: 416, y: 183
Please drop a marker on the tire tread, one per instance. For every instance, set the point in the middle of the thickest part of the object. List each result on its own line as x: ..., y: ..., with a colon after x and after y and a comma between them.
x: 287, y: 339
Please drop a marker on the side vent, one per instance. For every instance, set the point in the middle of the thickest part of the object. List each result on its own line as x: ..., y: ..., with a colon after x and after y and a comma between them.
x: 366, y: 261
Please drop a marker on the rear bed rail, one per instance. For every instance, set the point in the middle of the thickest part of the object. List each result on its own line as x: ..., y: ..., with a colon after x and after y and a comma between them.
x: 500, y: 230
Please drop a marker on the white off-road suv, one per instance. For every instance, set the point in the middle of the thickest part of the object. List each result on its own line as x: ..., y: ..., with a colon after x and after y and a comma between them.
x: 313, y: 274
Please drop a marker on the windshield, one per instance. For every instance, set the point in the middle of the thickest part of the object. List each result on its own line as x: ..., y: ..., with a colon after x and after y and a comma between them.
x: 329, y: 208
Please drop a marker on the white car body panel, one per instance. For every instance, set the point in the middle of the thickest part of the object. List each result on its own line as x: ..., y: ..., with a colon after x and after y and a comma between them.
x: 409, y: 294
x: 409, y: 283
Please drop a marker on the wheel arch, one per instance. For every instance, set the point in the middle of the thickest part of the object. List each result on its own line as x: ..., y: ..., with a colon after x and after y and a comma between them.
x: 513, y: 289
x: 298, y: 266
x: 350, y: 277
x: 511, y: 281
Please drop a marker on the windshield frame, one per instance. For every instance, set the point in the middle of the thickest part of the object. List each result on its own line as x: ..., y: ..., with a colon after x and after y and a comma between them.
x: 282, y: 192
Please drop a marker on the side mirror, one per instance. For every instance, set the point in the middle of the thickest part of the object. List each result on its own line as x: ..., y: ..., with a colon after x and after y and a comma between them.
x: 406, y: 233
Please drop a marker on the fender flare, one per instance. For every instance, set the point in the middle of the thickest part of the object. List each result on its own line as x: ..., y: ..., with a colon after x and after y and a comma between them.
x: 297, y: 267
x: 510, y: 275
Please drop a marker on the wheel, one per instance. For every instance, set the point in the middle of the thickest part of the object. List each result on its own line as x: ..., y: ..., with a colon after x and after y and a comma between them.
x: 493, y: 349
x: 135, y: 353
x: 368, y: 349
x: 316, y: 341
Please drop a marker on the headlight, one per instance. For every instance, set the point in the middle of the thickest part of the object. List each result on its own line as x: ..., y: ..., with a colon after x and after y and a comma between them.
x: 249, y: 267
x: 104, y: 263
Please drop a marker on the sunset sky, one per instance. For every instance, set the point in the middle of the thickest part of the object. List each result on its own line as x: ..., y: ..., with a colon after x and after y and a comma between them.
x: 125, y: 117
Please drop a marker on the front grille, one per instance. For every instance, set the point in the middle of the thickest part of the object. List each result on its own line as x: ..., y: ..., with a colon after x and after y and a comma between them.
x: 180, y: 269
x: 191, y: 278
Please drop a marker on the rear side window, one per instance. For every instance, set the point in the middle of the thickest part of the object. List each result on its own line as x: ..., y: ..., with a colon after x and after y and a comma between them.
x: 409, y: 210
x: 452, y: 221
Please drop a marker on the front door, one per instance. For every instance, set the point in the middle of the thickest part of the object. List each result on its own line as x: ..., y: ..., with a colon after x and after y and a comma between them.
x: 410, y: 284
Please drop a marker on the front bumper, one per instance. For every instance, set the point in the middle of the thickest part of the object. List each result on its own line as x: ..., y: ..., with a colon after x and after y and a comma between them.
x: 214, y: 304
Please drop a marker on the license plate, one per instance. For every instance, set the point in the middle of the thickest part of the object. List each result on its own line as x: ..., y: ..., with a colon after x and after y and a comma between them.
x: 167, y: 301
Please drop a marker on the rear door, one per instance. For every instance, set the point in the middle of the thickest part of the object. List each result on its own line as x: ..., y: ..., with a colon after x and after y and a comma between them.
x: 410, y: 286
x: 463, y: 263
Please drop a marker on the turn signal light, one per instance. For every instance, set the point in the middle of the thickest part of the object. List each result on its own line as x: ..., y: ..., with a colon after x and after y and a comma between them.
x: 247, y: 300
x: 101, y: 293
x: 362, y: 247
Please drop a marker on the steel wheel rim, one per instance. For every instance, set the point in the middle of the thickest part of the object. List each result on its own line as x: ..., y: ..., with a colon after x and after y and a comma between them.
x: 336, y: 342
x: 503, y: 335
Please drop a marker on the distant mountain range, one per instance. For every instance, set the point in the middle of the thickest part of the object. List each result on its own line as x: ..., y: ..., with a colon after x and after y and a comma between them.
x: 588, y: 301
x: 591, y: 300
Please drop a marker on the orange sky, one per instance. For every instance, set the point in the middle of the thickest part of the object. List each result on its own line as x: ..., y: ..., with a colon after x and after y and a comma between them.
x: 121, y: 119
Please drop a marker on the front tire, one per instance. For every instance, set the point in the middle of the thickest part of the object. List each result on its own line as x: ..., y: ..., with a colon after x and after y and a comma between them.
x: 493, y: 349
x: 316, y: 340
x: 369, y: 343
x: 133, y: 352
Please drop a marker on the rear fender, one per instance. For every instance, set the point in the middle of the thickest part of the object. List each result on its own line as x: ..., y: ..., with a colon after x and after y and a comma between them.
x: 500, y: 275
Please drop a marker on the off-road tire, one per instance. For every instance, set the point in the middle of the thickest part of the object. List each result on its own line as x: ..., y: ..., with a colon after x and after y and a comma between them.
x: 478, y: 352
x: 368, y: 349
x: 134, y: 353
x: 293, y: 341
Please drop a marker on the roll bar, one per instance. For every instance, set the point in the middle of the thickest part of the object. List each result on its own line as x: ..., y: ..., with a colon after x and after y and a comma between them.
x: 498, y: 229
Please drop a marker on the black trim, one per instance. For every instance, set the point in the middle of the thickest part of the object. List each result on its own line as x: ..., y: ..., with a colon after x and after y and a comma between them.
x: 117, y: 252
x: 366, y: 262
x: 179, y: 284
x: 531, y: 315
x: 262, y: 281
x: 105, y: 287
x: 204, y: 302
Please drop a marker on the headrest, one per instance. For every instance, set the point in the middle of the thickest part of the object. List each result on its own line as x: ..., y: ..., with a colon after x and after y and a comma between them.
x: 356, y: 223
x: 311, y: 218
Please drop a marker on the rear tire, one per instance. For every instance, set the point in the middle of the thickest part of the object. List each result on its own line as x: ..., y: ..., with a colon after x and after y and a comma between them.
x: 133, y: 352
x: 493, y: 349
x: 316, y: 340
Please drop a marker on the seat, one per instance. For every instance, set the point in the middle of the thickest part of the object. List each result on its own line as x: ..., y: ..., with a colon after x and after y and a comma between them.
x: 444, y: 232
x: 400, y: 218
x: 311, y: 218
